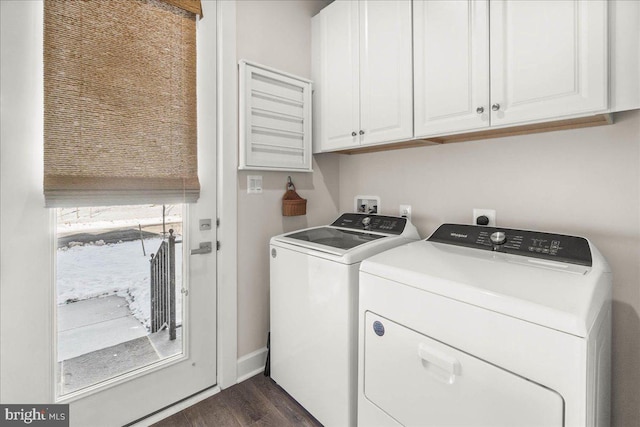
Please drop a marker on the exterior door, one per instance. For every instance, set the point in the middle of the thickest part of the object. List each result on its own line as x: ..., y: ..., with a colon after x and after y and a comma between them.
x: 131, y: 396
x: 548, y: 59
x: 27, y: 295
x: 451, y: 66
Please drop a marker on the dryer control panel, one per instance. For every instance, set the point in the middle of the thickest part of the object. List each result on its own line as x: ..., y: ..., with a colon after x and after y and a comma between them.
x: 379, y: 223
x: 536, y: 244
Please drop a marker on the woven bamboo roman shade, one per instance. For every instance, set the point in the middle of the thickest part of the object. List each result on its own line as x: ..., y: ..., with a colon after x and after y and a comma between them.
x: 119, y: 102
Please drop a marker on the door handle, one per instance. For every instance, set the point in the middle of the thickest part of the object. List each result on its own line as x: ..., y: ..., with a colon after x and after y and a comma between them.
x: 205, y: 248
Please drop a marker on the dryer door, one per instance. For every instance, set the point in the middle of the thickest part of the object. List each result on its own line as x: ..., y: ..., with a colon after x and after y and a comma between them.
x: 422, y: 382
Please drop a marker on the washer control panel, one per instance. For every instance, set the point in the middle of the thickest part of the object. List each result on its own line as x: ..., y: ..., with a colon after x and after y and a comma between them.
x: 379, y: 223
x: 556, y: 247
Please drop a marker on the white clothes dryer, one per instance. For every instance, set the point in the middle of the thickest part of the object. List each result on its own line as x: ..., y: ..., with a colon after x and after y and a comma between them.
x: 482, y: 326
x: 314, y: 305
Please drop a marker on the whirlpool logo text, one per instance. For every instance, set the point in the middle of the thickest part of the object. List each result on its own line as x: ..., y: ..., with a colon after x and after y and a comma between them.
x: 458, y: 235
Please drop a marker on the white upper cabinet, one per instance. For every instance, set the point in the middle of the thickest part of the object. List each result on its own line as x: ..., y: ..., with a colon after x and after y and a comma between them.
x: 336, y: 72
x: 445, y: 70
x: 548, y: 59
x: 624, y: 55
x: 451, y: 65
x: 363, y: 74
x: 386, y: 89
x: 481, y: 63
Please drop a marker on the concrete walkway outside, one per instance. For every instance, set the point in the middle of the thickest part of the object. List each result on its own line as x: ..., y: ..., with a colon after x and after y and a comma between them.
x: 94, y: 324
x: 99, y: 339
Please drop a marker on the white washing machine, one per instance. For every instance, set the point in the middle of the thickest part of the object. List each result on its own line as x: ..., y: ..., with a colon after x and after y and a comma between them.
x: 314, y: 309
x: 480, y: 326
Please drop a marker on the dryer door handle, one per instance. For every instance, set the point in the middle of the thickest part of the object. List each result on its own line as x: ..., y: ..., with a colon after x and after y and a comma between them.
x: 440, y: 359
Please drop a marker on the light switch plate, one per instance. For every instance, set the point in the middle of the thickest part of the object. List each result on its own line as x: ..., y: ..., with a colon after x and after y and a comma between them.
x: 254, y: 184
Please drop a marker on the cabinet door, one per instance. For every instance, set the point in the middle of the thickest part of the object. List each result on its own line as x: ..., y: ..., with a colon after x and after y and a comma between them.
x: 386, y: 90
x: 548, y: 59
x: 336, y: 73
x: 451, y: 66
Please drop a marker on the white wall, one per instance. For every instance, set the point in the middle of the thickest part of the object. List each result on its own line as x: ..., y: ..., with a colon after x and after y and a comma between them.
x: 584, y: 182
x: 25, y: 244
x: 276, y: 34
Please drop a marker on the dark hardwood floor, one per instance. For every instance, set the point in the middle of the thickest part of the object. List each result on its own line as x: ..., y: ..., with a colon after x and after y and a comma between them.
x: 257, y: 401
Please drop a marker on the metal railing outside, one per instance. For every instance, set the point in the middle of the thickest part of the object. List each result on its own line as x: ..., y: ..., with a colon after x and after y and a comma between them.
x: 163, y: 287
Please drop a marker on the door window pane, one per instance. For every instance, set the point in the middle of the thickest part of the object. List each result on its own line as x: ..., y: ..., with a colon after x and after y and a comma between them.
x: 118, y: 284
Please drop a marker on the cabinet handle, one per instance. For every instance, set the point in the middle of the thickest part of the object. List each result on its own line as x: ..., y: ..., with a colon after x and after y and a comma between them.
x: 495, y: 107
x: 353, y: 134
x: 480, y: 110
x: 361, y: 132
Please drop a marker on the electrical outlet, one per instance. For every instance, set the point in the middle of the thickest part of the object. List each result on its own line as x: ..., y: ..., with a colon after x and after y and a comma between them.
x: 489, y: 213
x: 405, y: 211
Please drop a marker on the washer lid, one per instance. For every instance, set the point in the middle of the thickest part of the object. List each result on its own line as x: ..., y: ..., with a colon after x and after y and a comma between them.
x: 350, y: 238
x: 556, y: 295
x: 324, y: 242
x: 335, y: 237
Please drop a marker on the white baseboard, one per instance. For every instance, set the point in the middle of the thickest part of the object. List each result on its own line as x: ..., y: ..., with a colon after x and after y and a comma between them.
x: 251, y: 364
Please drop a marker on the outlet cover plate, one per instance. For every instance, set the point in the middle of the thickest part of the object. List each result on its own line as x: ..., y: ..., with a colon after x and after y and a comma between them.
x: 405, y: 211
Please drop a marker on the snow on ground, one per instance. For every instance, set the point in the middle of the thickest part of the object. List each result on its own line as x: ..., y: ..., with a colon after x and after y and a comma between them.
x: 71, y: 220
x: 68, y: 228
x: 121, y: 269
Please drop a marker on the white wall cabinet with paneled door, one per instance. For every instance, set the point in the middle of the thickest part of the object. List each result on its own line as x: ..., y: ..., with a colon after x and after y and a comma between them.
x: 362, y: 71
x: 481, y: 63
x: 451, y: 66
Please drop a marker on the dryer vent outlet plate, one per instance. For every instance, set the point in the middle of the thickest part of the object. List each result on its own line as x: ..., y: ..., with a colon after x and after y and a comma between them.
x: 367, y: 204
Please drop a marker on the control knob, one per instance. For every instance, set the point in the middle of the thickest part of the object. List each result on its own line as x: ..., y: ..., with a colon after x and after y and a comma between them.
x: 498, y: 238
x: 366, y: 222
